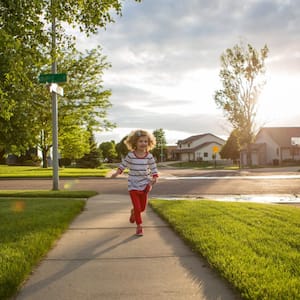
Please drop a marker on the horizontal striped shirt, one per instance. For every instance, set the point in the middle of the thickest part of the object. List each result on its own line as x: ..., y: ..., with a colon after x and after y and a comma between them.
x: 141, y: 169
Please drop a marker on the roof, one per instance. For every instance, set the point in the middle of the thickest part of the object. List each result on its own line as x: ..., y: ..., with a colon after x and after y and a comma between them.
x: 281, y: 135
x: 195, y: 137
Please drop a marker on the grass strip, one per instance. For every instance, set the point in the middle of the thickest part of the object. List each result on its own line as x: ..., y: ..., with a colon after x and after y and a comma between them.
x: 29, y: 226
x: 253, y: 246
x: 48, y: 194
x: 39, y: 172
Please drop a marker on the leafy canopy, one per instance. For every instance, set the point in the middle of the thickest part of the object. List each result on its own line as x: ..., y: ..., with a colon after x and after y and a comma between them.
x: 25, y: 52
x: 242, y: 70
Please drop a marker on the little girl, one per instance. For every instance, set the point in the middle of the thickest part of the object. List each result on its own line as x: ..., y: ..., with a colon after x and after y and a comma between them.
x: 142, y: 173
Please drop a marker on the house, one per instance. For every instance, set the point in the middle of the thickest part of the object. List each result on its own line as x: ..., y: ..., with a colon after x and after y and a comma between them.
x: 202, y: 147
x: 170, y: 152
x: 274, y: 145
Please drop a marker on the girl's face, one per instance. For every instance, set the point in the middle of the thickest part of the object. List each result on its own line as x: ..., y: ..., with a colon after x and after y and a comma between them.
x: 142, y: 144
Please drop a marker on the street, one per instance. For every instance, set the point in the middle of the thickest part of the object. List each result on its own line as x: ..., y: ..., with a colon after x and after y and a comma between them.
x: 181, y: 182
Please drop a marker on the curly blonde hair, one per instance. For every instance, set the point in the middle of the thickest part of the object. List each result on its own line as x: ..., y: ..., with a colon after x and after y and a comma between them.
x: 131, y: 140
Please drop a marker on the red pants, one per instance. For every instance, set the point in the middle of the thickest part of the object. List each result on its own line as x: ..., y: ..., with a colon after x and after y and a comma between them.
x: 139, y: 201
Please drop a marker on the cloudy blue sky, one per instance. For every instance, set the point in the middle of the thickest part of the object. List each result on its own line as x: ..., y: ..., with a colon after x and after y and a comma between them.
x: 165, y: 57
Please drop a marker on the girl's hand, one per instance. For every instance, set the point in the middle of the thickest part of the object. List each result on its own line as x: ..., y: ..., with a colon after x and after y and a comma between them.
x: 114, y: 175
x: 153, y: 180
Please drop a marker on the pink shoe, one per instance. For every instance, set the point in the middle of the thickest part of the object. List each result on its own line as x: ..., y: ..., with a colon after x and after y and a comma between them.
x: 132, y: 218
x: 139, y: 231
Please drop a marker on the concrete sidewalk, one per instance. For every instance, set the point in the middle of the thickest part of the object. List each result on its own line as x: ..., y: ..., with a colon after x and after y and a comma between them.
x: 99, y: 257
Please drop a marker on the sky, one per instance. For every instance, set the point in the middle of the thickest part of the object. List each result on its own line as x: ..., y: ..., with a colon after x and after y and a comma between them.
x: 165, y: 57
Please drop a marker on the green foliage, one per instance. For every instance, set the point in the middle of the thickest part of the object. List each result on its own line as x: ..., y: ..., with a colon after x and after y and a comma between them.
x: 22, y: 37
x: 254, y: 246
x: 83, y: 107
x: 28, y: 229
x: 108, y: 150
x: 160, y: 151
x: 231, y: 149
x: 25, y: 52
x: 89, y: 15
x: 242, y: 70
x: 74, y: 142
x: 91, y: 159
x: 121, y: 148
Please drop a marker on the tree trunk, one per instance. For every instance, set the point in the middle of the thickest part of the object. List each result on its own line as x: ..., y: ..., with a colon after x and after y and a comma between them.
x: 249, y: 156
x: 2, y: 158
x: 44, y: 154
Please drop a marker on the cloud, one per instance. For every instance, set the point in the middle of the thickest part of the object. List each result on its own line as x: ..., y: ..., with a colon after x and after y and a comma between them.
x: 165, y: 59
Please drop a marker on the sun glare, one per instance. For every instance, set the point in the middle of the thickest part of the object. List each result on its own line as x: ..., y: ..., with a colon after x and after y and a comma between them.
x: 279, y: 100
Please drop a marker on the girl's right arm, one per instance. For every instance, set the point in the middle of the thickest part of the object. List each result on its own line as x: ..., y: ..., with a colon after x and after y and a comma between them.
x: 123, y: 165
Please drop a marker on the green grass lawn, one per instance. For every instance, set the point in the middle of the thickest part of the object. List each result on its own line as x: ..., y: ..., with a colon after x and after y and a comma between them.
x: 38, y: 172
x: 255, y: 247
x: 30, y: 223
x: 203, y: 165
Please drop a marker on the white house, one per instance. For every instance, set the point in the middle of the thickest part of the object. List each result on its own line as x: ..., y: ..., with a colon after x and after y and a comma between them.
x: 202, y: 147
x: 274, y: 145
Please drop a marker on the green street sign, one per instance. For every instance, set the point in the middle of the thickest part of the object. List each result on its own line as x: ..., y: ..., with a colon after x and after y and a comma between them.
x: 53, y: 78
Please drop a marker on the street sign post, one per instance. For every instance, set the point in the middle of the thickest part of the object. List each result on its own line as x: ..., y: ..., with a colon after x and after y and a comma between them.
x: 215, y: 151
x: 53, y: 78
x: 54, y: 87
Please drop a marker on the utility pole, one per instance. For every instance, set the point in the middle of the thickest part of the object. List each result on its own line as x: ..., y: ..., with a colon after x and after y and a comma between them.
x: 54, y: 105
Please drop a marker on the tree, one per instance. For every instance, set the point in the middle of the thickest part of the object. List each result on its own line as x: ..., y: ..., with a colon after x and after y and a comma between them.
x: 159, y: 152
x: 91, y: 159
x: 231, y: 149
x: 85, y: 97
x: 22, y: 37
x: 242, y: 71
x: 121, y: 148
x: 82, y: 107
x: 108, y: 150
x: 25, y: 43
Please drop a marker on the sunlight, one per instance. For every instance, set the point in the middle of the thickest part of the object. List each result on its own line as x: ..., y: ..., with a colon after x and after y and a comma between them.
x: 279, y: 101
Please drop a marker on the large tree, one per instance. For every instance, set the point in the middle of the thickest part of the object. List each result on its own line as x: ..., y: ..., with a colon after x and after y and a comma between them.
x: 83, y: 105
x: 21, y: 39
x: 25, y: 51
x: 242, y: 70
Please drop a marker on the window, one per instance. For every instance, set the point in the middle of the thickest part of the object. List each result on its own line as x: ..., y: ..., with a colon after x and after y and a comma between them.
x: 205, y: 154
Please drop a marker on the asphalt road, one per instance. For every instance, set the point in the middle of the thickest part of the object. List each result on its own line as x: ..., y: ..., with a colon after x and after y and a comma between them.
x: 182, y: 182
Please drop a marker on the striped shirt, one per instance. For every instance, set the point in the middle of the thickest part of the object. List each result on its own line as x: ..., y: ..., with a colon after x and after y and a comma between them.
x: 140, y: 170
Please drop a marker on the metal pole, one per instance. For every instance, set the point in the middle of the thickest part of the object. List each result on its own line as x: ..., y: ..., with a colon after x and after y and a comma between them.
x: 54, y: 109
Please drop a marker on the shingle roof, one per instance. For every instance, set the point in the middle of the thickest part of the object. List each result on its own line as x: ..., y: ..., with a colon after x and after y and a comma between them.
x: 195, y: 137
x: 281, y: 135
x: 191, y: 138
